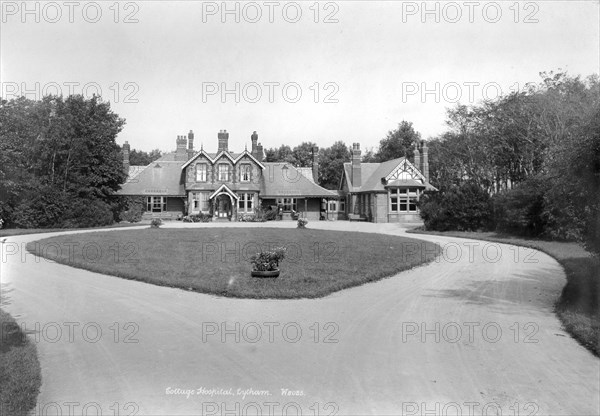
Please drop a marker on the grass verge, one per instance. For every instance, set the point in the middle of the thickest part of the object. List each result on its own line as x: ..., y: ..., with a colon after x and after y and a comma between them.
x: 577, y: 307
x: 9, y: 232
x: 216, y: 260
x: 20, y: 373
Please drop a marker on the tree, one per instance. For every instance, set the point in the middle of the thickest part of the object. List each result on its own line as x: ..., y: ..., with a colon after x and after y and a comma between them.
x: 303, y: 154
x: 142, y: 158
x: 331, y: 164
x: 398, y: 143
x: 58, y: 156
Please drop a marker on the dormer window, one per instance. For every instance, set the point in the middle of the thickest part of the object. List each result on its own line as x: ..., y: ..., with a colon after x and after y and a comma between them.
x: 201, y: 172
x: 245, y: 173
x: 223, y: 172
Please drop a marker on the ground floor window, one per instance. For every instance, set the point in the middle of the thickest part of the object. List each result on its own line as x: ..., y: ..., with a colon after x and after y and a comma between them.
x: 404, y: 199
x: 288, y: 204
x: 156, y: 203
x: 200, y: 201
x: 246, y: 202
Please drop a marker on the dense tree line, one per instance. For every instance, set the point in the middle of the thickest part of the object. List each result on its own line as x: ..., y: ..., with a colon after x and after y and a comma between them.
x: 535, y: 153
x: 59, y: 162
x: 142, y: 158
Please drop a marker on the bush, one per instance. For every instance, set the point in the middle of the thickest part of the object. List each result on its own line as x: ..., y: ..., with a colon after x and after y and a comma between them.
x: 47, y: 208
x: 269, y: 215
x: 461, y: 208
x: 302, y: 222
x: 521, y: 210
x: 155, y: 223
x: 130, y: 209
x: 198, y: 218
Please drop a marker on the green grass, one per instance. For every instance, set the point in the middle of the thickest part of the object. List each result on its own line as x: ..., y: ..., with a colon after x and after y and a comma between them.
x: 577, y: 307
x: 9, y: 232
x: 20, y: 373
x: 319, y: 262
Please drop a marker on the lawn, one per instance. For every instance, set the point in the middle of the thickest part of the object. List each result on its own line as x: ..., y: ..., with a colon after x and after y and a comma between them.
x: 215, y: 260
x: 20, y: 373
x: 577, y: 307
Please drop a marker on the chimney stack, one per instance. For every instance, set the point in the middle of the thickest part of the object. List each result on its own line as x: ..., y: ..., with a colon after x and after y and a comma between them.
x: 356, y: 161
x: 126, y: 150
x: 181, y: 152
x: 417, y: 156
x: 223, y: 141
x: 190, y: 144
x: 254, y: 139
x: 315, y: 164
x: 425, y: 170
x: 259, y: 152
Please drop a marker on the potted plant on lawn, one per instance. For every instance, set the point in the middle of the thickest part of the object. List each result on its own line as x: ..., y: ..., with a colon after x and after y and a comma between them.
x: 266, y: 263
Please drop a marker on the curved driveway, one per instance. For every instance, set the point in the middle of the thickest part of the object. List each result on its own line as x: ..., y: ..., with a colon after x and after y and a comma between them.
x: 472, y: 333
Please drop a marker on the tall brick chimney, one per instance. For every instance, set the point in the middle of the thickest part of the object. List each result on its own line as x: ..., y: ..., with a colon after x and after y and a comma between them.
x: 190, y: 151
x: 315, y: 164
x: 356, y: 160
x: 425, y: 170
x: 254, y: 139
x: 259, y: 152
x: 126, y: 150
x: 417, y: 156
x: 223, y: 141
x: 181, y: 151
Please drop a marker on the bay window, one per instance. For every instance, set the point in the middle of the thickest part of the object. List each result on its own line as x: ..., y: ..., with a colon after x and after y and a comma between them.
x: 404, y: 199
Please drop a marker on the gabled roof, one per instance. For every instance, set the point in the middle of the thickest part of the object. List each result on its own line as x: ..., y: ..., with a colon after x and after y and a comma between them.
x: 280, y: 180
x: 224, y: 188
x: 213, y: 157
x: 372, y: 173
x: 160, y: 177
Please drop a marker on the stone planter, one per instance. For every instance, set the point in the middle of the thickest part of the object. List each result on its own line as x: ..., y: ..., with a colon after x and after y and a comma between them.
x: 265, y: 273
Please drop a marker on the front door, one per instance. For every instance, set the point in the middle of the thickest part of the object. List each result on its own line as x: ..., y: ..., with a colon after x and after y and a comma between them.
x: 223, y: 206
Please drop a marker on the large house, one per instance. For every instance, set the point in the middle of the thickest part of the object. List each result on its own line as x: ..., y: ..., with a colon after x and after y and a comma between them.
x: 227, y: 185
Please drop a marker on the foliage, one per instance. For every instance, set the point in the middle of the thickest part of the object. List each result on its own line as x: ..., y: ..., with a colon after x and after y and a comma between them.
x: 200, y: 217
x: 466, y: 207
x: 156, y: 223
x: 398, y: 143
x: 331, y: 164
x: 256, y: 217
x: 268, y: 260
x: 302, y: 222
x: 142, y: 158
x: 130, y: 209
x: 547, y: 134
x: 56, y: 155
x: 520, y: 210
x: 267, y: 214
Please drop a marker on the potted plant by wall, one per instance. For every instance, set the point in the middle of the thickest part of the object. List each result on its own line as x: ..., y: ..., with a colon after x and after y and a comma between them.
x: 266, y: 263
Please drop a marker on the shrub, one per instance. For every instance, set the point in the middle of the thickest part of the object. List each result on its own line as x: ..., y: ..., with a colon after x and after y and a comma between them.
x: 132, y: 209
x: 155, y: 223
x: 268, y: 260
x: 461, y: 208
x: 521, y: 210
x: 302, y: 222
x: 270, y: 215
x: 198, y: 218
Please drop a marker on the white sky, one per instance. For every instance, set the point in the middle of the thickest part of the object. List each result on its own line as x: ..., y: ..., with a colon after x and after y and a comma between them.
x: 374, y: 53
